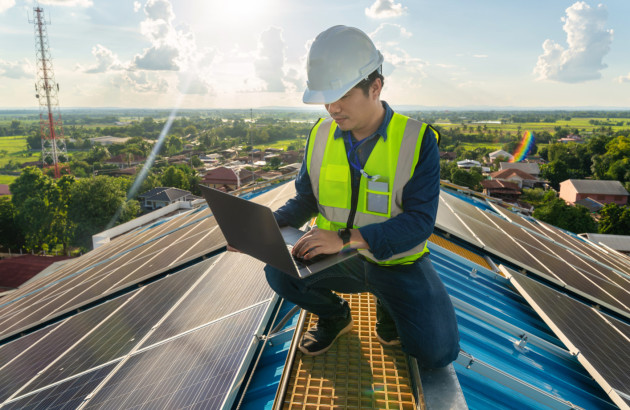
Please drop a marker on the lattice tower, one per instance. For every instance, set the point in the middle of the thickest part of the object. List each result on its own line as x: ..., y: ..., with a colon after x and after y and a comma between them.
x: 53, y: 142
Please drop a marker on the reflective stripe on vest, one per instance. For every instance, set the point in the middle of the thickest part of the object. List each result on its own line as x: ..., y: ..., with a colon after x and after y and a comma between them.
x: 329, y: 172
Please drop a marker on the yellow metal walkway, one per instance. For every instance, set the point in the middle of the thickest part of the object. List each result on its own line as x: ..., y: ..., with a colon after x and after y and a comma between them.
x: 356, y: 373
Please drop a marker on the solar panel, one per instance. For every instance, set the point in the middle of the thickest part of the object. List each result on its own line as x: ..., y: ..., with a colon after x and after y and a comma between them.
x: 197, y: 370
x: 54, y: 341
x: 124, y: 329
x: 447, y: 221
x: 600, y: 342
x: 545, y: 257
x: 68, y: 394
x: 104, y: 278
x: 236, y: 282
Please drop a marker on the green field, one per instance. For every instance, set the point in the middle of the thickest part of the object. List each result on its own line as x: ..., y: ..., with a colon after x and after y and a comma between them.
x: 283, y: 144
x: 7, y: 179
x: 581, y: 124
x: 14, y: 148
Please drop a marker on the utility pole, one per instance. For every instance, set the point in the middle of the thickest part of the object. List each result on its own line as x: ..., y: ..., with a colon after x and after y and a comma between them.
x: 46, y: 88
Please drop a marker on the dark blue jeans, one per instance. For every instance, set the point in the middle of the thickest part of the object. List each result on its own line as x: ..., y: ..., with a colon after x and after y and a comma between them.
x: 414, y: 296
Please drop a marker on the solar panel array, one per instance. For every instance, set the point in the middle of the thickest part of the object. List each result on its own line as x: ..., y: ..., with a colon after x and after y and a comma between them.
x: 181, y: 339
x: 591, y: 276
x: 547, y: 252
x: 600, y: 342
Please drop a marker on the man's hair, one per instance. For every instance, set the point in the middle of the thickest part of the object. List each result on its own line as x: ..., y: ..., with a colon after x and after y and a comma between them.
x: 366, y: 83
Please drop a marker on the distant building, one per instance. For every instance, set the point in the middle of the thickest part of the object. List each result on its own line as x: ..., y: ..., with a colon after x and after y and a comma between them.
x: 500, y: 154
x: 16, y: 271
x: 4, y: 190
x: 287, y: 169
x: 571, y: 138
x: 228, y: 179
x: 108, y: 140
x: 468, y: 164
x: 505, y: 190
x: 605, y: 192
x: 592, y: 205
x: 448, y: 155
x: 125, y: 160
x: 160, y: 197
x: 521, y: 178
x: 531, y: 168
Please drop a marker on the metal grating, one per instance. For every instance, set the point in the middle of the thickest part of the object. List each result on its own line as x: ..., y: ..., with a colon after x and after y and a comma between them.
x: 357, y: 372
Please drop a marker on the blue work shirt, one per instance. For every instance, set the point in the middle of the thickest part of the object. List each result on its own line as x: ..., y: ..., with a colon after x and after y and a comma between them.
x: 420, y: 196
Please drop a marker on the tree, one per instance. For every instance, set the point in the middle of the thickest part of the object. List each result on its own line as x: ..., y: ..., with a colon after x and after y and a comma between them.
x: 556, y: 172
x: 471, y: 179
x: 41, y: 205
x: 576, y: 219
x: 97, y: 204
x: 614, y: 220
x: 10, y: 233
x: 176, y: 178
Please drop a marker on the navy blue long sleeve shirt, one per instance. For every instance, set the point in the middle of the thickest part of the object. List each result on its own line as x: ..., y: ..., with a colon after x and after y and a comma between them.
x: 420, y: 196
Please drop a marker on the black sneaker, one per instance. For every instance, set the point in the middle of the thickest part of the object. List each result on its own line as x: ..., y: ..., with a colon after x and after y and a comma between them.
x: 319, y: 338
x: 385, y: 330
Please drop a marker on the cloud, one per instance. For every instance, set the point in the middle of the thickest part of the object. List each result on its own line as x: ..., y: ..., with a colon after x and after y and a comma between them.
x: 384, y: 9
x: 158, y: 57
x: 390, y: 34
x: 141, y: 82
x: 480, y: 55
x: 106, y: 61
x: 136, y: 6
x: 17, y: 69
x: 269, y: 64
x: 588, y: 42
x: 623, y: 78
x: 68, y: 3
x: 6, y: 5
x: 159, y: 10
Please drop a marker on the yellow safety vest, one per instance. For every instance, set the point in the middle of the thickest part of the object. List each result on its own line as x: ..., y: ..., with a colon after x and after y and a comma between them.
x: 394, y: 161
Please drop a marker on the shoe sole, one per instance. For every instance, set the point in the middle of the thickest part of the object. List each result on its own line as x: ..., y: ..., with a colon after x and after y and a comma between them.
x: 324, y: 350
x: 394, y: 342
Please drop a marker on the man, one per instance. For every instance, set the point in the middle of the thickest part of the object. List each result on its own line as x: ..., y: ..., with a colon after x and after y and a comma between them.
x: 372, y: 178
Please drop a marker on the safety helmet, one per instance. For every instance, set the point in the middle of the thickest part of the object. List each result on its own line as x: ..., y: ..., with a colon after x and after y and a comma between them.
x: 339, y: 59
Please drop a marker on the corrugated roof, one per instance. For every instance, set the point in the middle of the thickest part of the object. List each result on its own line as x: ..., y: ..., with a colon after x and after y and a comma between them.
x: 531, y: 168
x: 617, y: 242
x: 590, y: 186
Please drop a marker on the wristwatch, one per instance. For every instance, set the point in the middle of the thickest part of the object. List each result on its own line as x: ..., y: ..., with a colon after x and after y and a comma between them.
x: 344, y: 234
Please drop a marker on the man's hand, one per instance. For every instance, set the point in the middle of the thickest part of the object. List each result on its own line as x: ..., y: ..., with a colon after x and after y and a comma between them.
x: 317, y: 242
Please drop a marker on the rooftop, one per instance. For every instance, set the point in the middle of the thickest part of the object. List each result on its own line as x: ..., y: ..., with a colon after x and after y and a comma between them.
x: 84, y: 336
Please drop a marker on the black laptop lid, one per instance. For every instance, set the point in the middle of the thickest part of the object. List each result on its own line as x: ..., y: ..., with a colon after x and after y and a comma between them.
x: 250, y: 227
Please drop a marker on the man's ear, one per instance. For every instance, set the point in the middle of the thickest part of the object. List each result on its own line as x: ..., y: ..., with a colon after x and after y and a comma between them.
x: 376, y: 87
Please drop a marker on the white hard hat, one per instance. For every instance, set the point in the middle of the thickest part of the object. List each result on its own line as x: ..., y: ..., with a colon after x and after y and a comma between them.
x: 339, y: 59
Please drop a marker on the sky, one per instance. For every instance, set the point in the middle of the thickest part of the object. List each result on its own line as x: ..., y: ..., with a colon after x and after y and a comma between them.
x: 447, y: 54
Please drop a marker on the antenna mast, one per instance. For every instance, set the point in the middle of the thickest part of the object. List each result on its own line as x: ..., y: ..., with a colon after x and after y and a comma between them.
x: 53, y: 143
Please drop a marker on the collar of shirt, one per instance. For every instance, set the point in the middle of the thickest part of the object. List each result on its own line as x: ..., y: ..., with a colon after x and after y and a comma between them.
x: 382, y: 130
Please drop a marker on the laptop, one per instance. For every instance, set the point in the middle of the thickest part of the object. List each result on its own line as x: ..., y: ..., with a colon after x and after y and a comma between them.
x: 252, y: 229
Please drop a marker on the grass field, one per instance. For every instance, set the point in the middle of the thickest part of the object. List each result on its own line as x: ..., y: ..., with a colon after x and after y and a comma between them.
x: 298, y: 142
x: 15, y: 148
x: 581, y: 124
x: 7, y: 179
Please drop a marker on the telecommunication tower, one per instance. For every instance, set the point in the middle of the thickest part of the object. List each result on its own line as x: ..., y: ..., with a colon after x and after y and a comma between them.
x: 46, y: 88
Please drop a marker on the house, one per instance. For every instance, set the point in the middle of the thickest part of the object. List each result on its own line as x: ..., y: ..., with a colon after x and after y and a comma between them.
x: 448, y: 155
x: 571, y: 138
x: 108, y: 140
x: 125, y: 160
x: 499, y: 154
x: 4, y: 190
x: 290, y: 157
x: 605, y: 192
x: 287, y: 169
x: 227, y: 179
x: 531, y: 168
x: 16, y: 271
x: 468, y: 164
x: 505, y: 190
x: 521, y: 178
x: 160, y: 197
x: 592, y: 205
